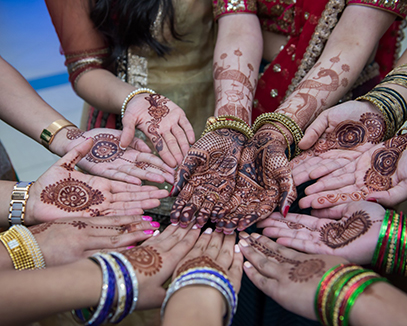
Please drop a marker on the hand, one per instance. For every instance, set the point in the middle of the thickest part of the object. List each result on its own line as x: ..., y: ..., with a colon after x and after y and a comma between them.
x: 155, y: 260
x: 263, y: 182
x: 67, y: 240
x: 338, y: 136
x: 164, y: 122
x: 354, y: 236
x: 380, y: 174
x: 287, y: 276
x: 108, y: 160
x: 207, y: 177
x: 64, y: 192
x: 215, y: 250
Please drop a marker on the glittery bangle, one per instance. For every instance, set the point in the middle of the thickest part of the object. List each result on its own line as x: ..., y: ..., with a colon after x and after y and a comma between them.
x: 385, y: 244
x: 213, y: 124
x: 392, y: 250
x: 32, y: 245
x: 131, y: 95
x: 383, y: 229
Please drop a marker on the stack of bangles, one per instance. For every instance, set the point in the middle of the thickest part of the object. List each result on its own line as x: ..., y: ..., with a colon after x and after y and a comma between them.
x: 118, y: 277
x: 390, y: 254
x: 230, y: 122
x: 338, y: 290
x: 22, y: 248
x: 210, y: 277
x: 390, y: 102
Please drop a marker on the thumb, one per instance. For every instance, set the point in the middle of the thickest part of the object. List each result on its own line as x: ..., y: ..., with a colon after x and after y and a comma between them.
x: 72, y: 158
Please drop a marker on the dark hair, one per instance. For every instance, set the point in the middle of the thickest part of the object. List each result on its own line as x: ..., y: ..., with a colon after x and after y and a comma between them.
x: 129, y: 22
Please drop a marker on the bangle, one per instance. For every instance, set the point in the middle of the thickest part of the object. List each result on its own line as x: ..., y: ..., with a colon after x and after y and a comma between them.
x: 131, y: 95
x: 48, y: 134
x: 32, y: 246
x: 230, y: 122
x: 286, y: 121
x: 19, y: 197
x: 285, y: 137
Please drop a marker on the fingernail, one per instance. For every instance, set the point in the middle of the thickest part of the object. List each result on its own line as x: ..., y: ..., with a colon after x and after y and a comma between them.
x: 147, y: 218
x: 88, y: 138
x: 374, y: 200
x: 122, y: 148
x: 247, y: 264
x: 149, y: 232
x: 243, y: 235
x: 243, y: 243
x: 129, y: 247
x: 256, y: 235
x: 194, y: 227
x: 175, y: 224
x: 237, y: 249
x: 286, y: 210
x: 208, y: 231
x: 156, y: 232
x: 155, y: 224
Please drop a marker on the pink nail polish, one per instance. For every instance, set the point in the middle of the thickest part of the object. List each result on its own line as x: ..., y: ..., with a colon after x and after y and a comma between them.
x: 147, y: 218
x: 129, y: 247
x: 149, y: 232
x: 374, y: 200
x: 155, y: 224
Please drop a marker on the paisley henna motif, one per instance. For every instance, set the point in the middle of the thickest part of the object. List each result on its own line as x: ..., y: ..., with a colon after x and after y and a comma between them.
x: 157, y: 110
x: 202, y: 261
x: 306, y: 269
x: 105, y: 149
x: 145, y: 259
x: 71, y: 195
x: 339, y: 234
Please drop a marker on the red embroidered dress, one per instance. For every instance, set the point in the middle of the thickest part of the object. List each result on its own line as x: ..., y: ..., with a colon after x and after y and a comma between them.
x: 308, y: 24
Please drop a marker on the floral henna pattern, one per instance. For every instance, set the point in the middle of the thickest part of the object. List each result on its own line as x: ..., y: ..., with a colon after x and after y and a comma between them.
x: 384, y: 164
x: 146, y: 260
x: 157, y: 110
x: 240, y: 89
x: 202, y: 261
x: 105, y: 149
x: 307, y: 269
x: 72, y: 195
x: 339, y: 234
x: 351, y: 134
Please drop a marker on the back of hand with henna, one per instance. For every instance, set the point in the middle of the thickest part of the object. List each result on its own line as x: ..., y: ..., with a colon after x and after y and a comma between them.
x: 206, y: 179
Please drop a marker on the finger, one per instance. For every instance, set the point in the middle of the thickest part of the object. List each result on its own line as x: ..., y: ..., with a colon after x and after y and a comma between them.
x: 190, y: 209
x: 328, y: 166
x: 201, y: 245
x: 155, y: 161
x: 329, y: 199
x: 391, y: 197
x: 331, y: 184
x: 266, y: 284
x: 335, y: 212
x: 281, y: 232
x: 72, y: 158
x: 205, y: 211
x: 117, y: 241
x: 139, y: 145
x: 189, y: 131
x: 124, y: 174
x: 314, y: 131
x: 173, y: 147
x: 128, y: 132
x: 213, y: 248
x: 181, y: 138
x: 303, y: 245
x: 226, y: 253
x: 118, y: 186
x: 236, y: 269
x: 139, y: 196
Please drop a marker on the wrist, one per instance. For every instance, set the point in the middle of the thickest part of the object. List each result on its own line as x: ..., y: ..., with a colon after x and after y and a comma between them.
x: 61, y: 141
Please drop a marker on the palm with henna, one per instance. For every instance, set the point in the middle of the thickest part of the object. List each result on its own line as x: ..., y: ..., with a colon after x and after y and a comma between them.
x: 207, y: 177
x: 379, y: 174
x: 353, y: 236
x: 338, y: 136
x: 263, y: 182
x: 63, y: 191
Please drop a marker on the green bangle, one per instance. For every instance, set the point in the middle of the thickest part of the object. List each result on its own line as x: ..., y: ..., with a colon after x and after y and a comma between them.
x: 386, y: 252
x: 393, y: 244
x: 354, y: 296
x: 383, y: 229
x: 403, y: 246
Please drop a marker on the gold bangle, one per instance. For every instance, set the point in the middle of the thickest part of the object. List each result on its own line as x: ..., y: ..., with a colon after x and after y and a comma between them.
x: 19, y: 197
x: 213, y: 124
x: 286, y: 121
x: 32, y: 245
x: 48, y: 134
x: 131, y: 95
x: 17, y: 250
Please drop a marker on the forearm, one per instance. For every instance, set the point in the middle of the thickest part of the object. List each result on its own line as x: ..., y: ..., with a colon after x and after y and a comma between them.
x: 237, y: 57
x: 32, y: 295
x: 338, y: 67
x: 198, y: 305
x: 380, y: 304
x: 21, y: 106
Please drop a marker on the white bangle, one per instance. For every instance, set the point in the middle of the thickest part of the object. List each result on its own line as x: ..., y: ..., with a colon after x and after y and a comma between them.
x: 131, y: 95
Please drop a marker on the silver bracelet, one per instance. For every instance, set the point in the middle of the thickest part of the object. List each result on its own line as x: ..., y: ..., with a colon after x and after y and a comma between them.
x: 131, y: 95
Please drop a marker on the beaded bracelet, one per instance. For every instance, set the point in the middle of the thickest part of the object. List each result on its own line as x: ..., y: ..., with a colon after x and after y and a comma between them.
x: 205, y: 276
x: 230, y: 122
x: 287, y: 122
x: 131, y: 95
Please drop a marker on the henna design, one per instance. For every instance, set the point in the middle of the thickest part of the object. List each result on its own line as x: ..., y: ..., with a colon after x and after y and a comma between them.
x: 146, y: 166
x: 35, y: 229
x: 354, y: 196
x: 157, y: 110
x: 305, y: 270
x: 72, y: 195
x: 333, y: 86
x: 270, y: 253
x: 105, y: 149
x: 241, y: 88
x: 71, y: 165
x: 202, y: 261
x: 384, y: 164
x: 74, y: 133
x: 145, y: 259
x: 339, y: 234
x: 295, y: 225
x: 79, y: 224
